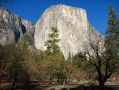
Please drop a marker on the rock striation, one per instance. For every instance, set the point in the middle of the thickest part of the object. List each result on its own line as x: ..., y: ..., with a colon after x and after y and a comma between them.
x: 75, y: 32
x: 13, y: 28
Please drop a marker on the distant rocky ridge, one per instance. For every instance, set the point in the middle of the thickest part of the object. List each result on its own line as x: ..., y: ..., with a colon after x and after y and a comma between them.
x: 13, y: 28
x: 75, y: 32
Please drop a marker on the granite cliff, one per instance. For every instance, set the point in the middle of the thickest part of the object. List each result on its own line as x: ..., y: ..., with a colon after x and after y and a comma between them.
x: 13, y: 28
x: 75, y: 32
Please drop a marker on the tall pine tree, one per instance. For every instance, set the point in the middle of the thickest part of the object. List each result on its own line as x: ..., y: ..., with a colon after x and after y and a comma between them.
x: 53, y: 50
x: 112, y: 33
x: 112, y: 40
x: 51, y: 43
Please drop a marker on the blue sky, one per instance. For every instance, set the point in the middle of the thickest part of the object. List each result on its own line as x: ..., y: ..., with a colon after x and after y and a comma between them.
x: 97, y: 10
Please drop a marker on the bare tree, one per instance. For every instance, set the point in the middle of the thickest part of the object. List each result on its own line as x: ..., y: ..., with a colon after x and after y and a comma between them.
x: 104, y: 64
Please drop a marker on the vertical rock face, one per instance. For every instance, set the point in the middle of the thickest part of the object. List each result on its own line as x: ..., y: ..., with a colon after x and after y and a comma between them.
x: 12, y: 27
x: 29, y: 29
x: 28, y: 26
x: 75, y: 33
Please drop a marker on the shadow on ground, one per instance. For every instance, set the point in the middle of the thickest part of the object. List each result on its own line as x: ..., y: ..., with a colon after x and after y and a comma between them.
x: 81, y: 87
x: 93, y: 87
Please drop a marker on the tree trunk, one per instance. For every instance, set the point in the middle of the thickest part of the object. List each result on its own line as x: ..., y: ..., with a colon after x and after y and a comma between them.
x: 13, y: 85
x: 14, y: 82
x: 101, y: 85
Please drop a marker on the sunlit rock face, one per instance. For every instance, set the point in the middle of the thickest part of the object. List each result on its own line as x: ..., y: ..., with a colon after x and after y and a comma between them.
x: 12, y: 27
x: 75, y: 32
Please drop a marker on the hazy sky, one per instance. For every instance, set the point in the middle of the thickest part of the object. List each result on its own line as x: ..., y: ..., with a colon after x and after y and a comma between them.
x: 97, y: 10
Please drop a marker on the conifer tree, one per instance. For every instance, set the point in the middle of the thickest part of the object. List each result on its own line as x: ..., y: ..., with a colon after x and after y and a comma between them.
x: 112, y: 39
x: 51, y: 43
x: 112, y: 33
x: 54, y: 55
